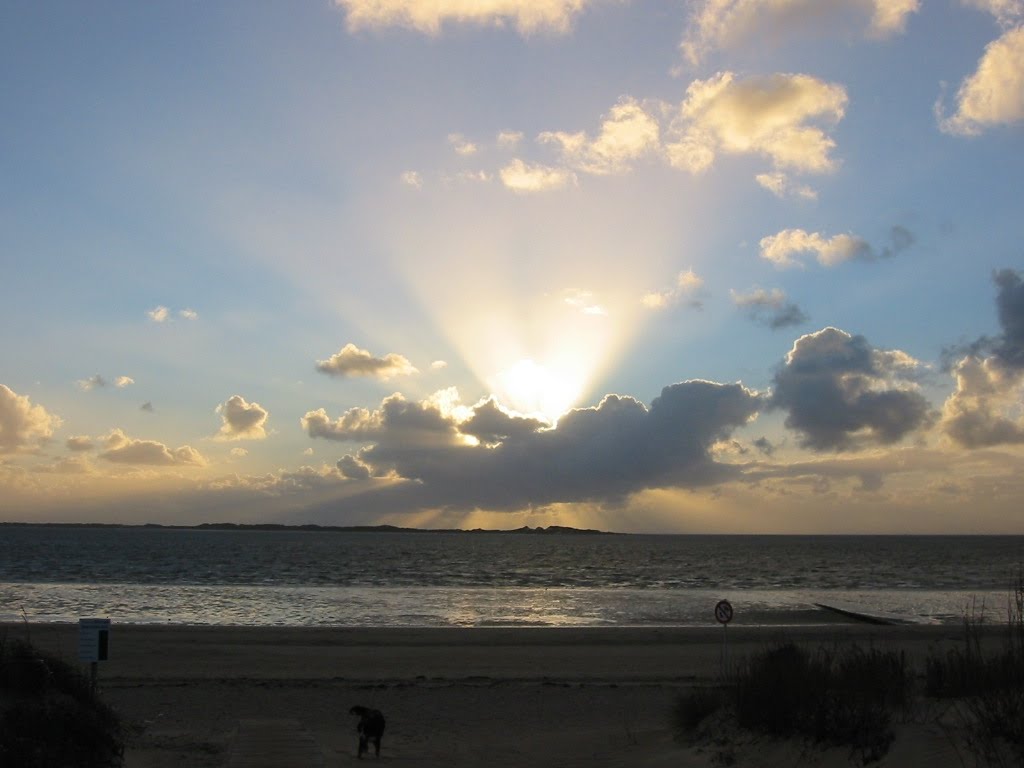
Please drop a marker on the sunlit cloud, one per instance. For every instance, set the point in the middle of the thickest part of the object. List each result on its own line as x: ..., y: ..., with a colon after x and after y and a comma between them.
x: 584, y: 301
x: 93, y: 382
x: 411, y: 179
x: 773, y: 116
x: 238, y: 453
x: 80, y: 443
x: 241, y: 420
x: 627, y: 134
x: 122, y: 449
x: 688, y: 290
x: 769, y: 308
x: 428, y: 16
x: 784, y: 248
x: 729, y: 24
x: 994, y: 94
x: 439, y: 365
x: 123, y: 381
x: 23, y: 426
x: 522, y: 177
x: 1007, y: 12
x: 461, y: 144
x: 509, y: 139
x: 350, y: 360
x: 159, y: 314
x: 780, y: 185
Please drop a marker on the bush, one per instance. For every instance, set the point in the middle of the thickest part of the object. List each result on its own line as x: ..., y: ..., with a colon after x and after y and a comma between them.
x: 49, y: 715
x: 845, y: 697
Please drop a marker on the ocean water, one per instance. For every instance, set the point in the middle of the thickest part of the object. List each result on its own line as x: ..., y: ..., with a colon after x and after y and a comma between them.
x: 322, y: 578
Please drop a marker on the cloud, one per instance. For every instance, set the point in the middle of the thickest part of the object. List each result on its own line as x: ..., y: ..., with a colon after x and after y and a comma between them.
x: 241, y: 420
x: 93, y: 382
x: 509, y: 139
x: 412, y: 179
x: 628, y: 133
x: 583, y: 302
x: 121, y: 449
x: 80, y: 443
x: 461, y: 145
x: 189, y: 314
x: 730, y: 24
x: 438, y: 365
x: 352, y: 361
x: 688, y: 290
x: 522, y: 177
x: 239, y: 453
x: 840, y: 393
x: 782, y: 248
x: 23, y: 425
x: 985, y: 408
x: 1007, y: 12
x: 352, y: 468
x: 780, y: 185
x: 769, y: 115
x: 123, y: 381
x: 769, y: 308
x: 159, y: 314
x: 610, y: 451
x: 147, y: 407
x: 994, y: 94
x: 428, y: 16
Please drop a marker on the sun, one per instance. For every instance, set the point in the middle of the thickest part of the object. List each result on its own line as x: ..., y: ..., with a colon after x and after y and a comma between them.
x: 536, y: 390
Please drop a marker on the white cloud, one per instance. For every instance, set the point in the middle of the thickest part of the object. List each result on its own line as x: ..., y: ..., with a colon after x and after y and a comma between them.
x: 159, y: 314
x: 780, y: 185
x: 584, y: 302
x: 123, y: 381
x: 994, y: 94
x: 461, y: 144
x: 241, y: 420
x: 93, y: 382
x: 627, y: 134
x: 428, y: 16
x: 509, y: 139
x: 121, y: 449
x: 350, y: 360
x: 780, y: 249
x: 438, y: 365
x: 770, y: 116
x: 189, y: 314
x: 1007, y: 12
x: 238, y: 453
x: 412, y: 179
x: 729, y: 24
x: 688, y: 289
x: 520, y: 177
x: 23, y: 425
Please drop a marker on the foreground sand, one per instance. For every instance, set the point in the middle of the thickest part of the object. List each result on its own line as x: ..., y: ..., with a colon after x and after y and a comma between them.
x: 455, y: 697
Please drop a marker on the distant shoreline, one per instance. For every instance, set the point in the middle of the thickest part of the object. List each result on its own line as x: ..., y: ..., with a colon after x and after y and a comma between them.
x: 539, y: 530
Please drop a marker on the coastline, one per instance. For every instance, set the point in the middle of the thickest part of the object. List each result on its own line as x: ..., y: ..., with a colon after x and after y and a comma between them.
x: 453, y: 696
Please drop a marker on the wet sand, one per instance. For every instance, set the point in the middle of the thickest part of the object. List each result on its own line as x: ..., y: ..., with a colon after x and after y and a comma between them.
x: 452, y: 697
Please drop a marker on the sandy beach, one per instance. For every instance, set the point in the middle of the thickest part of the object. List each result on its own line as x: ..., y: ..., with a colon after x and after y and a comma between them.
x: 196, y: 696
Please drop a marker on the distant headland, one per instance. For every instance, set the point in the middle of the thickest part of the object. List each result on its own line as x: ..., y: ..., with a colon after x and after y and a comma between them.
x: 539, y: 530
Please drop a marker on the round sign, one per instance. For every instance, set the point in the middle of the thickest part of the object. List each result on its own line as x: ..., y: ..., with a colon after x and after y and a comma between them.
x: 723, y: 612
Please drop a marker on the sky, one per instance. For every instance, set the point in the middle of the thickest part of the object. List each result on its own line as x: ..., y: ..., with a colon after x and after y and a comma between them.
x: 704, y: 266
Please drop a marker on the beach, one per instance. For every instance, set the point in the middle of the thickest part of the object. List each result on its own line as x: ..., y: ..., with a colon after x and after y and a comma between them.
x: 199, y: 695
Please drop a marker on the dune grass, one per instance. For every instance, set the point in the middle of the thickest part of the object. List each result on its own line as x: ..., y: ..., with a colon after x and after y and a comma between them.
x: 49, y: 715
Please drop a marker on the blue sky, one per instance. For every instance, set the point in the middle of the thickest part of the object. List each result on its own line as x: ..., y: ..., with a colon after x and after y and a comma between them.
x: 722, y: 265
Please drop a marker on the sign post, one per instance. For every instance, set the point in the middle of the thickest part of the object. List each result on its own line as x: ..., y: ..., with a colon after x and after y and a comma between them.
x: 723, y: 615
x: 93, y: 644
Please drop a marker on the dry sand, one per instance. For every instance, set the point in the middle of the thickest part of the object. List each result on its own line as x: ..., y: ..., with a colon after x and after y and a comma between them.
x: 198, y: 696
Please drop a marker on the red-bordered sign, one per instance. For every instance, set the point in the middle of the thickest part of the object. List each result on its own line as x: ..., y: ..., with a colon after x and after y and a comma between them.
x: 723, y: 612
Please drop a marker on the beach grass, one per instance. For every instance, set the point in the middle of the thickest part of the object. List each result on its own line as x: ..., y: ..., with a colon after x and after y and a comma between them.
x: 50, y: 716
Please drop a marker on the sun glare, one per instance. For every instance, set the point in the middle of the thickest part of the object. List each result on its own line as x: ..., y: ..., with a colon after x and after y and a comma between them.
x: 534, y: 390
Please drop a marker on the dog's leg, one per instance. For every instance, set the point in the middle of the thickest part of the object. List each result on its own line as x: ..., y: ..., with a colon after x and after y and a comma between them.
x: 362, y: 745
x: 376, y: 745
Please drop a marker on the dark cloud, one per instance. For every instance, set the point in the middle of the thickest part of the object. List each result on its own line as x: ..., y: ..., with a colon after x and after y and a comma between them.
x: 147, y: 407
x: 770, y: 308
x: 1008, y: 347
x: 900, y: 238
x: 601, y: 453
x: 764, y: 445
x: 121, y: 449
x: 840, y: 392
x: 352, y: 468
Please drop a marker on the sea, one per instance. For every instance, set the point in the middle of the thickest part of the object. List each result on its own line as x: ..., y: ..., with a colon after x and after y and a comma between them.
x: 430, y: 579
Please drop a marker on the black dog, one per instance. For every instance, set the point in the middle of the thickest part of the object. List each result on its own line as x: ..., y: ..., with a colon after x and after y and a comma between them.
x: 370, y: 728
